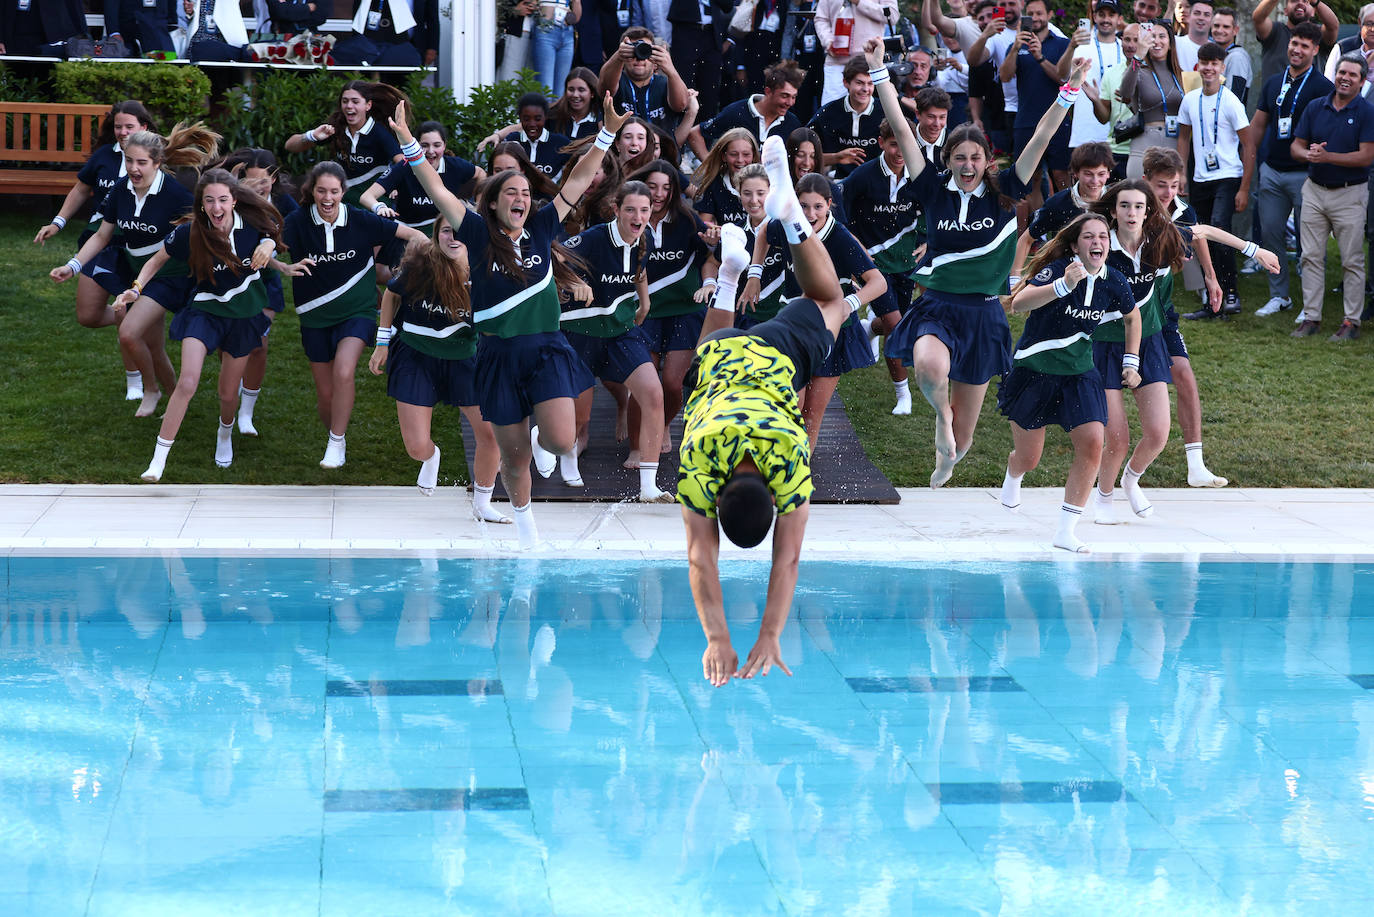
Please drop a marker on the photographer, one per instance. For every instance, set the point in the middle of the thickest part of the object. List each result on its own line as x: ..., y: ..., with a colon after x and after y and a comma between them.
x: 647, y: 83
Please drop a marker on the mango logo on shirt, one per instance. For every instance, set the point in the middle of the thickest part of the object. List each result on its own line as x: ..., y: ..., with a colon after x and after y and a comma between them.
x: 985, y: 223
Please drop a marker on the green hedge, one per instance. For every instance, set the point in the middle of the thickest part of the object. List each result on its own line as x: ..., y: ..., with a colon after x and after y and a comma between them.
x: 172, y: 92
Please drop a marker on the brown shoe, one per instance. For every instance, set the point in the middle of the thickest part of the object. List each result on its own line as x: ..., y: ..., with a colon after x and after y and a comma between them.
x: 1307, y: 329
x: 1348, y: 331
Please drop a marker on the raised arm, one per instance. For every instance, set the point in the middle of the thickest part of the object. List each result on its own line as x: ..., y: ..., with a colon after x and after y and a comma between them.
x: 1049, y: 123
x: 978, y: 52
x: 1331, y: 26
x: 581, y: 178
x: 299, y: 143
x: 610, y: 71
x: 933, y: 18
x: 1262, y: 17
x: 446, y: 201
x: 892, y: 110
x: 677, y: 88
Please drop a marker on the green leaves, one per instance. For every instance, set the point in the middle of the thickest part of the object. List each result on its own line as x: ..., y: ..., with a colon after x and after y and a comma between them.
x: 172, y: 93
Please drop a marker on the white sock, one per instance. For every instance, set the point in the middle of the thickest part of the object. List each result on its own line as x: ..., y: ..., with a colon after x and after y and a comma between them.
x: 224, y: 445
x: 903, y: 392
x: 648, y: 481
x: 525, y: 529
x: 481, y: 505
x: 1193, y: 451
x: 159, y: 462
x: 543, y: 459
x: 248, y: 399
x: 1104, y: 513
x: 781, y: 203
x: 1011, y: 489
x: 133, y: 385
x: 429, y: 474
x: 1065, y: 537
x: 1130, y: 482
x: 734, y: 258
x: 568, y: 470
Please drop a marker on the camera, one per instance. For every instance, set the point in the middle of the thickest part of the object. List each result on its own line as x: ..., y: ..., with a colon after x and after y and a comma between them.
x: 643, y: 50
x: 894, y: 55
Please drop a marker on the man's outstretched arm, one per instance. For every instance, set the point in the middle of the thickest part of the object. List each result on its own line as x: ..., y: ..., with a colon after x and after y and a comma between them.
x: 719, y: 662
x: 788, y: 532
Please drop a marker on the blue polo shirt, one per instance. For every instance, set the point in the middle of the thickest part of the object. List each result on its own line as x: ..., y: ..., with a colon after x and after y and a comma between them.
x: 1035, y: 89
x: 882, y: 209
x: 1057, y: 338
x: 612, y: 268
x: 840, y: 127
x: 970, y: 238
x: 850, y: 260
x: 676, y: 255
x: 1059, y: 211
x: 508, y: 306
x: 721, y: 200
x: 545, y: 151
x: 1343, y: 130
x: 771, y: 297
x: 412, y: 201
x: 141, y: 225
x: 424, y: 324
x: 1297, y: 95
x: 745, y: 114
x: 367, y: 154
x: 226, y: 293
x: 101, y: 173
x: 343, y: 282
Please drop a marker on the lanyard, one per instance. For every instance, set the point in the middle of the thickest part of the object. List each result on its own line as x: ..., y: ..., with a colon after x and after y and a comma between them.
x: 1101, y: 67
x: 1283, y: 93
x: 635, y: 103
x: 1163, y: 99
x: 1216, y: 120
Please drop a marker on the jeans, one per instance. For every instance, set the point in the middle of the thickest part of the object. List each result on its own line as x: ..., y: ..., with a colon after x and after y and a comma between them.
x: 1280, y: 193
x: 1329, y: 212
x: 1215, y: 203
x: 552, y: 53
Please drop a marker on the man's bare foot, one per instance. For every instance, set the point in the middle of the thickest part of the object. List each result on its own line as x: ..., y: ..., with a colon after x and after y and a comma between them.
x: 632, y: 460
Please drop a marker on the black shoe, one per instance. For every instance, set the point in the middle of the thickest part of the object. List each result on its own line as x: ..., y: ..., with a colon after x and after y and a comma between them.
x: 1232, y: 305
x: 1307, y: 329
x: 1349, y: 331
x: 1200, y: 315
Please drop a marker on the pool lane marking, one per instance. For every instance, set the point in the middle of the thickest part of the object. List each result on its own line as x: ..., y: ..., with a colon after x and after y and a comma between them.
x: 429, y: 687
x: 427, y: 800
x: 925, y: 684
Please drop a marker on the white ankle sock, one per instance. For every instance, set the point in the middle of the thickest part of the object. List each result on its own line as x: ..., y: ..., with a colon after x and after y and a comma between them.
x: 429, y: 474
x: 568, y: 470
x: 159, y: 462
x: 1130, y: 482
x: 1011, y: 489
x: 1193, y: 452
x: 781, y: 203
x: 1104, y: 513
x: 525, y: 529
x: 133, y: 385
x: 648, y: 481
x: 248, y: 400
x: 481, y: 505
x: 224, y: 445
x: 1066, y: 536
x: 734, y: 258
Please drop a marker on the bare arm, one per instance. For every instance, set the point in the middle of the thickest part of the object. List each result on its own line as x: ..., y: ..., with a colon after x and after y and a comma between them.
x: 447, y: 203
x: 1262, y: 17
x: 689, y: 119
x: 1185, y: 140
x: 892, y: 110
x: 372, y: 196
x: 74, y: 201
x: 932, y: 18
x: 703, y: 550
x: 788, y: 533
x: 642, y: 291
x: 697, y: 142
x: 1247, y: 170
x: 1132, y: 323
x: 1208, y: 233
x: 1006, y: 72
x: 1331, y: 26
x: 872, y: 285
x: 145, y: 276
x: 93, y: 245
x: 978, y: 52
x: 677, y: 89
x: 610, y: 71
x: 299, y: 143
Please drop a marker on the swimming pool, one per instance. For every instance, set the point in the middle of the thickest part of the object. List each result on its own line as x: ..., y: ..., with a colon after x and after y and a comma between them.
x: 196, y: 735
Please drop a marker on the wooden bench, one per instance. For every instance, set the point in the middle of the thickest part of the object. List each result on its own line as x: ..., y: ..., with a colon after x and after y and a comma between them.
x: 33, y: 133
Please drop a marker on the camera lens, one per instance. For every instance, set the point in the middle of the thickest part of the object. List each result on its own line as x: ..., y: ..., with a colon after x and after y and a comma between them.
x: 643, y: 50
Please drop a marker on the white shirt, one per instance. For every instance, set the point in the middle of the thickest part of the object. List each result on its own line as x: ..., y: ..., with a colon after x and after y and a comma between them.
x: 1187, y: 53
x: 954, y: 80
x: 1225, y: 111
x: 1103, y: 55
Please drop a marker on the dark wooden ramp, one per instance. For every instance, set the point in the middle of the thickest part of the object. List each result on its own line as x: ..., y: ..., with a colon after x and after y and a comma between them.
x: 840, y: 470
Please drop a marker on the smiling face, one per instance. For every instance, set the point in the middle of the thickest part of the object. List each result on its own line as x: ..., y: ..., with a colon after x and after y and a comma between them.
x: 1298, y: 11
x: 1210, y: 71
x: 1348, y: 80
x: 782, y: 98
x: 1300, y: 53
x: 1039, y: 15
x: 1159, y: 43
x: 432, y: 143
x: 632, y: 215
x: 931, y: 123
x: 126, y: 124
x: 579, y: 96
x: 1105, y: 20
x: 218, y: 203
x: 532, y: 118
x: 632, y: 141
x: 860, y: 91
x: 1091, y: 180
x: 512, y: 204
x: 1165, y: 186
x: 815, y: 208
x: 140, y: 165
x: 752, y: 194
x: 1129, y: 213
x: 448, y: 242
x: 892, y: 155
x: 968, y: 161
x: 1145, y: 10
x: 738, y: 154
x: 328, y: 197
x: 1199, y: 20
x: 1223, y: 29
x: 804, y: 159
x: 660, y: 192
x: 1094, y: 241
x: 354, y: 108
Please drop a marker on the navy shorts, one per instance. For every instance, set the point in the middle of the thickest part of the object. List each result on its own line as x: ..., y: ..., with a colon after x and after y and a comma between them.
x: 515, y: 374
x: 321, y: 343
x: 236, y: 337
x: 676, y: 332
x: 418, y: 378
x: 171, y: 293
x: 108, y: 268
x: 851, y: 351
x: 1155, y: 365
x: 973, y: 327
x: 900, y: 288
x: 1032, y: 400
x: 611, y: 359
x: 1173, y: 338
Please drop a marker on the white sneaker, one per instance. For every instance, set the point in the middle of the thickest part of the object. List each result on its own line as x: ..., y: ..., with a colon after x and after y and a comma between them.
x: 1275, y: 305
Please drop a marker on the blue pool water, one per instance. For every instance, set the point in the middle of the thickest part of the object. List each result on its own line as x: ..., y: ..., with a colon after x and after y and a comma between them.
x: 256, y: 736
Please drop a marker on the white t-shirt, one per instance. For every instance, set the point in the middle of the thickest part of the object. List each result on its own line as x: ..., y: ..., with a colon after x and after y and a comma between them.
x: 1187, y: 53
x: 1215, y: 121
x: 1104, y: 55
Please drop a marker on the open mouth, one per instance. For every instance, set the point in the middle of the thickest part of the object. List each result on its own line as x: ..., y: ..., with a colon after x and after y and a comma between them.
x: 517, y: 211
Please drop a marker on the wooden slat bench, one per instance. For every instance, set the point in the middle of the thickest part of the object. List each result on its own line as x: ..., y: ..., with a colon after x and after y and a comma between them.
x: 42, y: 132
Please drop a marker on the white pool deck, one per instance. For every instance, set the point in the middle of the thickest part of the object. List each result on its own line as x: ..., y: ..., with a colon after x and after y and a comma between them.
x: 954, y: 524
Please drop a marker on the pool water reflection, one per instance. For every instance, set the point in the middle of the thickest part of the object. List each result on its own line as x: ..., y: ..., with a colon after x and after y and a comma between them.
x: 412, y: 736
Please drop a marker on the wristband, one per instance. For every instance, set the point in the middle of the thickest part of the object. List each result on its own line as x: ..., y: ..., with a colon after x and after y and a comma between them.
x: 75, y: 266
x: 137, y: 287
x: 1130, y: 361
x: 853, y: 300
x: 604, y: 139
x: 879, y: 75
x: 378, y: 207
x: 384, y: 336
x: 59, y: 221
x: 1013, y: 280
x: 709, y: 282
x: 1250, y: 249
x: 755, y: 272
x: 269, y: 241
x: 1061, y: 288
x: 310, y: 136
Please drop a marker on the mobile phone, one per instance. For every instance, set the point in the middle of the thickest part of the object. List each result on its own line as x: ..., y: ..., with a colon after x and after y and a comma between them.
x: 1085, y: 25
x: 1027, y: 25
x: 999, y: 12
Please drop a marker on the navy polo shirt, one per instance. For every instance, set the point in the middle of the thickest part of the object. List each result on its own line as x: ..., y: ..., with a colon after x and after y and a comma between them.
x: 508, y: 306
x: 612, y: 268
x: 343, y: 282
x: 774, y: 262
x: 841, y: 127
x: 369, y: 153
x: 1035, y: 90
x: 676, y: 255
x: 745, y: 114
x: 228, y: 294
x: 1343, y: 130
x: 1298, y: 94
x: 882, y: 219
x: 544, y: 152
x: 649, y: 102
x: 1058, y: 211
x: 1057, y: 338
x: 424, y: 323
x: 970, y: 238
x: 101, y: 173
x: 850, y: 260
x: 141, y: 225
x: 412, y: 202
x: 722, y: 201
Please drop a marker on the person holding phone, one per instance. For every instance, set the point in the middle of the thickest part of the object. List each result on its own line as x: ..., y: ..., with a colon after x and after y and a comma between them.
x: 1153, y: 88
x: 1033, y: 61
x: 1096, y: 40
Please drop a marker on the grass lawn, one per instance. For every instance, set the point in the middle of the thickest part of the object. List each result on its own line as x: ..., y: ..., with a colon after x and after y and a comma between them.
x: 1276, y: 412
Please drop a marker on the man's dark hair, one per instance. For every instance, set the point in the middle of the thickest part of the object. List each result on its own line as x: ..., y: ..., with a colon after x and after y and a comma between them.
x: 1091, y: 156
x: 983, y: 4
x: 1193, y: 3
x: 1356, y: 58
x: 1224, y: 11
x: 933, y: 97
x: 783, y: 72
x: 1211, y: 51
x: 744, y: 508
x: 1308, y: 30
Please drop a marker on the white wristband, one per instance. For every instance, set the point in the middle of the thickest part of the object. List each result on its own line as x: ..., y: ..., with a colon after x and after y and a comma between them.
x: 755, y: 272
x: 604, y: 139
x: 854, y: 303
x: 310, y: 136
x: 1250, y: 249
x: 59, y: 221
x: 1013, y: 280
x: 379, y: 207
x: 709, y: 282
x: 880, y: 75
x: 384, y: 336
x: 75, y: 266
x: 1061, y: 288
x: 1130, y: 361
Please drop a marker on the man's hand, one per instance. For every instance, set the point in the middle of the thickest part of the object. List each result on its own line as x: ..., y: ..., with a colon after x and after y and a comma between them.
x: 765, y: 654
x: 994, y: 27
x: 1033, y: 45
x: 1081, y: 37
x: 719, y: 662
x: 1316, y: 152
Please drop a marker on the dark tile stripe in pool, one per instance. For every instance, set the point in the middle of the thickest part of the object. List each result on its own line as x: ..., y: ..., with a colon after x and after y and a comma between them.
x: 1364, y: 681
x: 426, y: 800
x: 922, y: 684
x: 399, y: 687
x: 957, y: 794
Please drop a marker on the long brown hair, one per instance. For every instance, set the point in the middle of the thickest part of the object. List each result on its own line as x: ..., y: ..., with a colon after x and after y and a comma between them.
x: 427, y: 271
x: 187, y: 146
x: 318, y: 171
x: 1162, y: 246
x: 676, y: 203
x: 540, y: 184
x: 595, y: 205
x: 1061, y: 246
x: 127, y: 107
x: 384, y: 100
x: 714, y: 162
x: 210, y: 248
x: 500, y: 253
x: 560, y: 114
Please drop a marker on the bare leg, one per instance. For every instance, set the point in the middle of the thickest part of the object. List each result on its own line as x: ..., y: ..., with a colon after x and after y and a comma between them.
x: 416, y: 421
x: 93, y: 309
x: 1116, y: 441
x: 1190, y: 420
x: 647, y: 392
x: 323, y: 374
x: 230, y: 376
x: 485, y: 465
x: 1026, y: 448
x: 143, y: 319
x: 930, y: 359
x: 675, y: 365
x: 344, y: 370
x: 1152, y: 403
x: 967, y: 403
x: 818, y: 395
x: 513, y: 440
x: 256, y: 370
x: 193, y: 354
